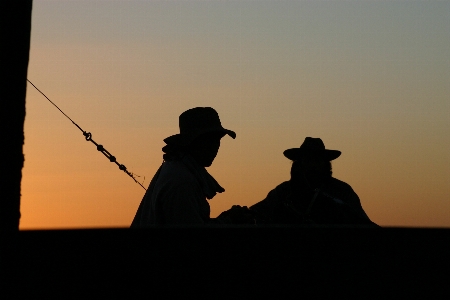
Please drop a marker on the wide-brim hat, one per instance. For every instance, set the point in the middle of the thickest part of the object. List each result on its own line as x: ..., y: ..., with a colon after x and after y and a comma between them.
x: 312, y: 147
x: 195, y: 122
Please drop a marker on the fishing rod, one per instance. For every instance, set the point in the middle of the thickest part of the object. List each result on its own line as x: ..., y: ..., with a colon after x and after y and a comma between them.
x: 88, y: 137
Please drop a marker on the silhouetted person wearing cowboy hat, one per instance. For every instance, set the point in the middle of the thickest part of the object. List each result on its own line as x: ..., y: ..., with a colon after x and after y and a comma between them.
x: 312, y: 195
x: 177, y: 193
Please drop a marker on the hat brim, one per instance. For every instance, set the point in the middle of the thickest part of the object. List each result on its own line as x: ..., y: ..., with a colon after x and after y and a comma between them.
x: 297, y: 153
x: 183, y: 140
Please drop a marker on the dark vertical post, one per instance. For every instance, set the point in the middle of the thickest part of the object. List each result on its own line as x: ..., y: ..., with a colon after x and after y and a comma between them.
x: 15, y: 29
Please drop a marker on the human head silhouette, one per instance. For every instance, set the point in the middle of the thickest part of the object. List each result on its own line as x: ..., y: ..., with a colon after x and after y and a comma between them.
x: 200, y: 134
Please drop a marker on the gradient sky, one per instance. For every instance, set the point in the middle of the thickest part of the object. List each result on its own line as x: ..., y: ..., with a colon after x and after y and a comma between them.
x: 371, y: 78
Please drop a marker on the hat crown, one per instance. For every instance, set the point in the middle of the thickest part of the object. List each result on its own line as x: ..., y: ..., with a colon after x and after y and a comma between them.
x: 195, y: 122
x: 313, y: 144
x: 198, y: 119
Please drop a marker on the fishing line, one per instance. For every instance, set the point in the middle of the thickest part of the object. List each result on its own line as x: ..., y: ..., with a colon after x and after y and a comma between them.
x: 88, y: 137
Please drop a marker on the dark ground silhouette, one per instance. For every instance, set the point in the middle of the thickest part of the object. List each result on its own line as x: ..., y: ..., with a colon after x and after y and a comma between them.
x: 238, y: 263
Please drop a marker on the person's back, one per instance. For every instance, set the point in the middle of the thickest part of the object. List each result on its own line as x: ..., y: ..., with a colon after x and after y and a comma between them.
x: 175, y: 198
x: 176, y: 193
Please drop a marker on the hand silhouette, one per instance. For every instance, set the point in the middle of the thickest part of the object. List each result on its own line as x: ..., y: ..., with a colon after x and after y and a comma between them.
x: 240, y: 215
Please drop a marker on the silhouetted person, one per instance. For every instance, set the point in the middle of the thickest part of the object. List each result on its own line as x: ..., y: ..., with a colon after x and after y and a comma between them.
x: 312, y: 196
x: 177, y: 193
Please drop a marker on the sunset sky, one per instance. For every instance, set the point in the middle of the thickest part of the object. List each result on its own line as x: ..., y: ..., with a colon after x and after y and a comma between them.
x: 371, y: 78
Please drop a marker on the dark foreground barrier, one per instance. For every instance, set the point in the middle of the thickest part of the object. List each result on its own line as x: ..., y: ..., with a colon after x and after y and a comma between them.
x: 235, y: 263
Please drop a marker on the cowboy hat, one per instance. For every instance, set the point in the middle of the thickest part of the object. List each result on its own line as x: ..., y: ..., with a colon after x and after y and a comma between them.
x: 195, y: 122
x: 312, y: 146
